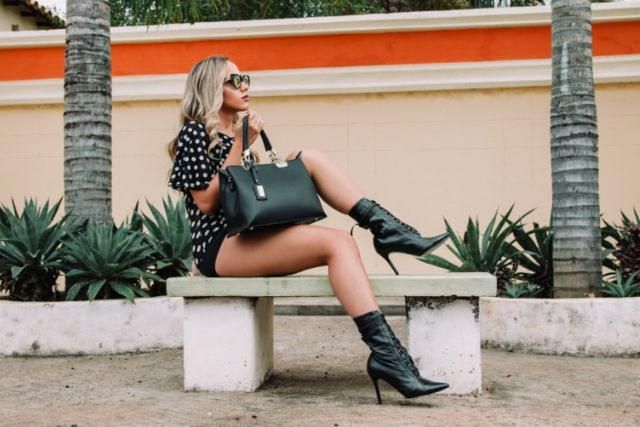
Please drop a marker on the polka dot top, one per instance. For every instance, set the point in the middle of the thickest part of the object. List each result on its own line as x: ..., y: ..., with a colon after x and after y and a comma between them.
x: 193, y: 168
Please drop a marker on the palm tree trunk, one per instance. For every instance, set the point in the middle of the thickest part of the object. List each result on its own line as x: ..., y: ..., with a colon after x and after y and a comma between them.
x: 87, y: 111
x: 574, y: 153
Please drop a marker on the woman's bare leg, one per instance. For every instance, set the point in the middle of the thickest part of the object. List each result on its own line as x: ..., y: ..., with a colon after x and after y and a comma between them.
x: 284, y: 250
x: 332, y: 183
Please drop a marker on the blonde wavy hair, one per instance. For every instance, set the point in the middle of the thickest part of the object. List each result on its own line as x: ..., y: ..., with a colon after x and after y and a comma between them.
x: 203, y: 99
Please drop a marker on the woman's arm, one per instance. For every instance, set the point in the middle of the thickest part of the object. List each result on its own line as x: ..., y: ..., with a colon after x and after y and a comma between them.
x: 208, y: 199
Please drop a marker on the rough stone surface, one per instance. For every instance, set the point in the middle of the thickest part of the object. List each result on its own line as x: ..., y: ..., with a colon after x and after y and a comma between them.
x: 236, y: 354
x: 83, y: 327
x: 443, y: 337
x: 579, y: 326
x: 319, y: 379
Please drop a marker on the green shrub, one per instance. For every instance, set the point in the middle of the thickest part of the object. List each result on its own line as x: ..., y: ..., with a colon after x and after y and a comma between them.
x: 29, y: 251
x: 105, y: 261
x: 621, y: 250
x: 521, y: 290
x: 622, y: 287
x: 488, y: 252
x: 536, y: 257
x: 621, y: 245
x: 133, y: 223
x: 170, y: 236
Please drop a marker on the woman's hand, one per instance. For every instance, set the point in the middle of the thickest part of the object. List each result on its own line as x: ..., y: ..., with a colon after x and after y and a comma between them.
x: 255, y: 126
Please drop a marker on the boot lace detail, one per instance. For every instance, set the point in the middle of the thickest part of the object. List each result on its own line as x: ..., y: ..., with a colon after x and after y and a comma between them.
x: 403, y: 351
x: 396, y: 219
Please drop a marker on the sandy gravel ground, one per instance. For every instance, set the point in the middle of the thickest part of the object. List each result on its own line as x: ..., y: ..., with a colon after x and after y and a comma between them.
x: 319, y: 379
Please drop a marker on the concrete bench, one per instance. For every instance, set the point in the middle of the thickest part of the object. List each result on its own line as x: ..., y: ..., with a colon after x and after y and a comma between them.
x: 228, y: 325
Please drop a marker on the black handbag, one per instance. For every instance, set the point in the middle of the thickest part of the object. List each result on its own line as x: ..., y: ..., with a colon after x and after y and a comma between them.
x: 255, y: 196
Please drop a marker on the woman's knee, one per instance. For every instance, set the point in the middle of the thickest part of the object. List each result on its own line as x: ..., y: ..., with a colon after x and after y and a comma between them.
x: 341, y: 243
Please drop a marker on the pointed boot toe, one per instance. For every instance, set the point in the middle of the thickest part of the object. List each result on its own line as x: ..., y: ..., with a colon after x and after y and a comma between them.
x: 433, y: 386
x: 432, y: 243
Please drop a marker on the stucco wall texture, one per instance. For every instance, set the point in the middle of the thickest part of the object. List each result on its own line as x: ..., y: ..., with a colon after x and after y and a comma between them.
x: 423, y: 155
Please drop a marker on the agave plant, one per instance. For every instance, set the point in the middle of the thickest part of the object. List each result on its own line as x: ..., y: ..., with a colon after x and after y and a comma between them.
x: 536, y: 257
x: 170, y: 236
x: 627, y: 252
x: 489, y: 252
x: 622, y: 287
x: 29, y: 244
x: 134, y: 222
x: 106, y: 262
x: 621, y: 245
x: 610, y: 238
x: 521, y: 290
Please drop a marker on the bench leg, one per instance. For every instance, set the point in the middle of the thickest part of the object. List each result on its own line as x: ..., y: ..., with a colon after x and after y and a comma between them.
x: 443, y: 338
x: 228, y: 343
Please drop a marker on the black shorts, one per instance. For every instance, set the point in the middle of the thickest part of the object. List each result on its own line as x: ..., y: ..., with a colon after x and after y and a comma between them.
x: 210, y: 255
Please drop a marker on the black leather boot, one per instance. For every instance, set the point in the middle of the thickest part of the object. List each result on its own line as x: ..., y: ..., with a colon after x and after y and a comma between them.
x: 390, y: 233
x: 389, y: 360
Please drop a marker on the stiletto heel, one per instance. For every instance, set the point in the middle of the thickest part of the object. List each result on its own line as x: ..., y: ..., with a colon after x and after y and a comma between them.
x: 375, y: 384
x: 386, y: 257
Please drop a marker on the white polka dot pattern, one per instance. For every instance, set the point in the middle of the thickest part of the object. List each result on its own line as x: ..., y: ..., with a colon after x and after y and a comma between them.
x: 193, y: 168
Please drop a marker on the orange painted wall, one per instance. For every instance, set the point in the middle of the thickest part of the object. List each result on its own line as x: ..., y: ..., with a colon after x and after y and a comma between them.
x: 341, y: 50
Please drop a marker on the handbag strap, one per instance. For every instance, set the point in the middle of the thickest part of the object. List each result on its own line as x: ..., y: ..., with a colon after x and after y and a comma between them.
x: 245, y: 136
x: 246, y: 160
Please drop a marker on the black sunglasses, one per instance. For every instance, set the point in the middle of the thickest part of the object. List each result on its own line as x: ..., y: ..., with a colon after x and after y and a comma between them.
x: 237, y: 79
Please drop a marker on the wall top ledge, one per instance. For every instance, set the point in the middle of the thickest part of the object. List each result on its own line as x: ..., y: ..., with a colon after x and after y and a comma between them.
x: 352, y: 24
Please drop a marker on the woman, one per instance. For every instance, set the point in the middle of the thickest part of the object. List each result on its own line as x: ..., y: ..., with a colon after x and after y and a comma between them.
x: 215, y: 101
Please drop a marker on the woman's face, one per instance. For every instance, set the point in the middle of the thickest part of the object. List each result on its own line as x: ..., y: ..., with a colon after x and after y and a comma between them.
x: 234, y: 99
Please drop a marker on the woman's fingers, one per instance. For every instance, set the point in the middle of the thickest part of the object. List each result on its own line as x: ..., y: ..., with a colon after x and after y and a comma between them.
x: 256, y: 122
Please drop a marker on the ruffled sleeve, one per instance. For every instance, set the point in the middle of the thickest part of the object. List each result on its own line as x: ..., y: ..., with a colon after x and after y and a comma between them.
x: 193, y: 167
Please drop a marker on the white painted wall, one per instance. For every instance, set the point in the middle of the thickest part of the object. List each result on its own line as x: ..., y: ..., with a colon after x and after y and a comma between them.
x: 83, y: 327
x: 580, y: 326
x: 585, y: 326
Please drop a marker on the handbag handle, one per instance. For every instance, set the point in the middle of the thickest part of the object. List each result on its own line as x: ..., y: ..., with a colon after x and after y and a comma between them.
x: 247, y: 160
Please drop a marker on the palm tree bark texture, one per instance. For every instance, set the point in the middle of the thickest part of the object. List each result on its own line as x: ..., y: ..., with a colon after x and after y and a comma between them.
x: 87, y: 111
x: 577, y: 247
